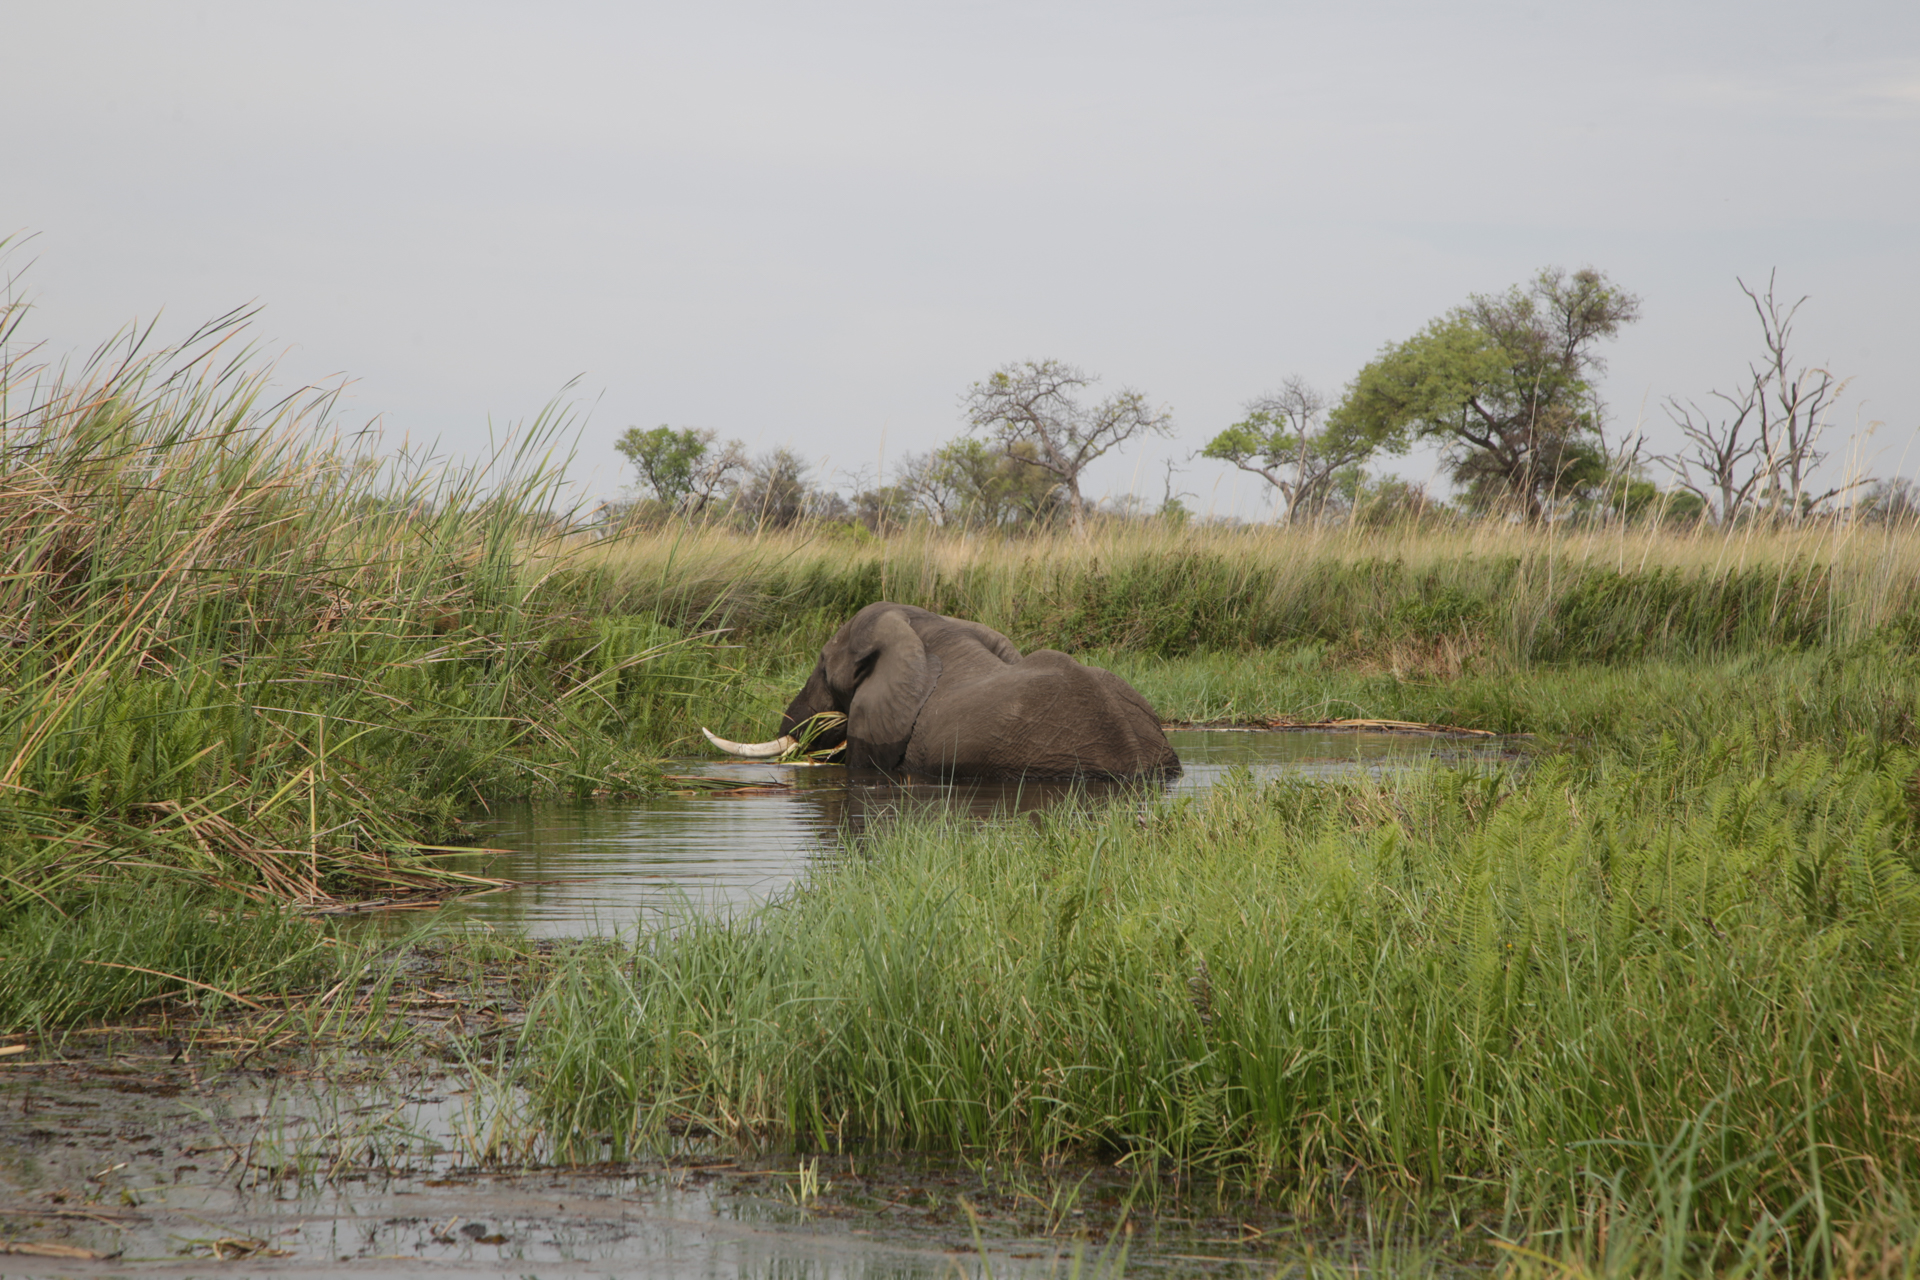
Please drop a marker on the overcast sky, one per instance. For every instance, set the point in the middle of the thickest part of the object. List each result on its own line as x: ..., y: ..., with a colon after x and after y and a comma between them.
x: 816, y: 224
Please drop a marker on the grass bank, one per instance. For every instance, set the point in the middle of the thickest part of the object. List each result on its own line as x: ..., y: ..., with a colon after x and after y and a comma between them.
x: 1424, y: 601
x: 1498, y: 628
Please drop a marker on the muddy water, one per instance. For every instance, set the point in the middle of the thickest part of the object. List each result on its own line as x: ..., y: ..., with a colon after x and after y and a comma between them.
x: 156, y: 1165
x: 603, y: 867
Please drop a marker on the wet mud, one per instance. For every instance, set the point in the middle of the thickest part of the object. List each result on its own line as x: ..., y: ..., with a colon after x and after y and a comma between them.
x: 154, y: 1156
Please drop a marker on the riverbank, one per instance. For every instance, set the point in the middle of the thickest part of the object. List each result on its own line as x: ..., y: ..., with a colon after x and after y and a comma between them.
x: 1650, y: 997
x: 246, y: 666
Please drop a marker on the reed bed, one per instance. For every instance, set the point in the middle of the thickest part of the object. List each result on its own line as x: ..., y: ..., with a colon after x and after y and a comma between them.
x: 1646, y: 1004
x: 240, y: 650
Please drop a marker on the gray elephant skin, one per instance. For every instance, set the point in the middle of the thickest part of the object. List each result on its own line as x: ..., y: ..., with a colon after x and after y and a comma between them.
x: 923, y: 693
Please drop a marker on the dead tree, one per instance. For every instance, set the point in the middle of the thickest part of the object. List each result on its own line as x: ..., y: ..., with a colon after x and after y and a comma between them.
x: 1760, y: 455
x: 1720, y: 466
x: 1792, y: 406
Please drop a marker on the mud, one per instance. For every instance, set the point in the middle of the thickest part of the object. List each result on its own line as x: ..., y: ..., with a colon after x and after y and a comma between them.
x: 155, y: 1159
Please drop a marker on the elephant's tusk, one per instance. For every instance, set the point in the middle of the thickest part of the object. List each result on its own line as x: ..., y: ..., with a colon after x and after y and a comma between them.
x: 753, y: 750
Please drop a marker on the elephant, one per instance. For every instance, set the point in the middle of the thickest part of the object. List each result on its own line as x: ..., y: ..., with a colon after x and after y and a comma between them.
x: 918, y: 692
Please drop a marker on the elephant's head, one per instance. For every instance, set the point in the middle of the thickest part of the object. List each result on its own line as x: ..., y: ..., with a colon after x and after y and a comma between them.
x: 876, y: 674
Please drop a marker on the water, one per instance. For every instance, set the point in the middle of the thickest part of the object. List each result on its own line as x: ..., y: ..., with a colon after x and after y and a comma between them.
x: 600, y: 867
x: 149, y: 1157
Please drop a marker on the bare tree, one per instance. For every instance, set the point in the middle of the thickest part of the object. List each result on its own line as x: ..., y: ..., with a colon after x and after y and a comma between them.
x: 1722, y: 450
x: 1763, y: 452
x: 1035, y: 403
x: 774, y: 492
x: 931, y: 483
x: 1173, y: 506
x: 1793, y: 405
x: 717, y: 471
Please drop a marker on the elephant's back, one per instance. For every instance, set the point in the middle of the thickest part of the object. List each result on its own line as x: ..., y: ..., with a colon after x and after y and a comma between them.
x: 1047, y: 715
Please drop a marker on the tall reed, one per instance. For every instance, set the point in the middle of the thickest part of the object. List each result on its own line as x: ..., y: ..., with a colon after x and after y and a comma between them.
x: 240, y: 647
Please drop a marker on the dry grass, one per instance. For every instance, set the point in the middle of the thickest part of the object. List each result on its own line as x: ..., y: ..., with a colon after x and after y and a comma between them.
x: 1431, y: 602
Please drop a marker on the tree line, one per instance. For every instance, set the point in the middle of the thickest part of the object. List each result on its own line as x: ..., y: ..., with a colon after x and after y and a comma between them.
x: 1505, y: 385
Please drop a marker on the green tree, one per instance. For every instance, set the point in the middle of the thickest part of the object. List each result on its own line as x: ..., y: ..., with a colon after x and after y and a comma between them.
x: 1286, y: 442
x: 967, y: 483
x: 1036, y: 403
x: 683, y: 469
x: 1387, y: 501
x: 775, y: 493
x: 884, y: 509
x: 1506, y: 384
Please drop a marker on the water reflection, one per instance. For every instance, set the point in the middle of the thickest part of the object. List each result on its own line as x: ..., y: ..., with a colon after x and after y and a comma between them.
x: 597, y: 867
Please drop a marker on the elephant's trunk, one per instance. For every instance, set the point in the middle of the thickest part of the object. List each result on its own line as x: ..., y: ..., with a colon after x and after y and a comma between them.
x: 754, y: 750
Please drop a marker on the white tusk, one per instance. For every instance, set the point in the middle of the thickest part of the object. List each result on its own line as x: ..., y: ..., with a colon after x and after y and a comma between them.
x: 753, y: 750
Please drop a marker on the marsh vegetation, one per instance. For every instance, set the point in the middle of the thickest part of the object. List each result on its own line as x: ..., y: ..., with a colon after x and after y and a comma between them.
x: 1648, y: 1005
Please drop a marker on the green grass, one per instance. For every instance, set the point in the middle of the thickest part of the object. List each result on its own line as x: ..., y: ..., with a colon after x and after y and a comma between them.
x: 1869, y: 690
x: 1678, y: 985
x: 1490, y: 596
x: 241, y: 649
x: 244, y: 658
x: 131, y: 944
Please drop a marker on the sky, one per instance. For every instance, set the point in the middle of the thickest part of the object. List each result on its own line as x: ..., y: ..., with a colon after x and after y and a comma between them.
x: 814, y: 225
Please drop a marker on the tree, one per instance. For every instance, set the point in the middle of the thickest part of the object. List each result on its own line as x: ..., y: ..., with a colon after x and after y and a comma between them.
x: 1895, y: 501
x: 774, y: 492
x: 1388, y: 501
x: 1283, y: 440
x: 883, y: 509
x: 1722, y: 450
x: 1760, y: 451
x: 1173, y: 510
x: 681, y: 468
x: 1506, y: 383
x: 966, y: 483
x: 1035, y: 403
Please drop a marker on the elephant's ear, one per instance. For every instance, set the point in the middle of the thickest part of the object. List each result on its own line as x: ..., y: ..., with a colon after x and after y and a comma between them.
x: 898, y: 675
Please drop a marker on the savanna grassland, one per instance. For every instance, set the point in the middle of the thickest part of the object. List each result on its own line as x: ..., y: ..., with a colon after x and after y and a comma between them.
x: 1644, y: 1001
